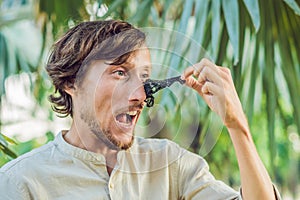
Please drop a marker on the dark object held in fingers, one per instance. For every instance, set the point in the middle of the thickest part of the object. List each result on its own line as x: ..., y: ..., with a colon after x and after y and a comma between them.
x: 153, y: 86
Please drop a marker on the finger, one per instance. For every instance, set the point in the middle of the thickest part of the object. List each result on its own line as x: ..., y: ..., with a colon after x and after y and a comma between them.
x: 225, y: 73
x: 193, y: 83
x: 197, y: 68
x: 202, y: 78
x: 187, y: 72
x: 211, y: 75
x: 207, y: 88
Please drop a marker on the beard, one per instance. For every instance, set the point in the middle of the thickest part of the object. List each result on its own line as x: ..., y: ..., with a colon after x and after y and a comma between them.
x: 105, y: 135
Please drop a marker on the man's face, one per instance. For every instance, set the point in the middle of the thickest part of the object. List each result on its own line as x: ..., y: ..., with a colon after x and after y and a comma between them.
x: 110, y: 98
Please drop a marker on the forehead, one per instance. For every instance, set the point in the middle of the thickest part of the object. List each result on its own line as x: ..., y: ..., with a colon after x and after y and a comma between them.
x: 140, y: 58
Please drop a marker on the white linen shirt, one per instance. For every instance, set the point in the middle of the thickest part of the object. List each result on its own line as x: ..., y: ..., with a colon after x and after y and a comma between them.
x: 150, y: 169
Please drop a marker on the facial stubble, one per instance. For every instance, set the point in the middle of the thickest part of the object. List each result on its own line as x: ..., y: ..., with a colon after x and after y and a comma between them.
x: 105, y: 135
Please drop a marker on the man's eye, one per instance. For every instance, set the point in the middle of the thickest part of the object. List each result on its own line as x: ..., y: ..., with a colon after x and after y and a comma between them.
x: 120, y: 73
x: 144, y: 77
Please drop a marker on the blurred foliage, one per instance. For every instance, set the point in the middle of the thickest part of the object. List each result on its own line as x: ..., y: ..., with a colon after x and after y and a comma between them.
x: 14, y: 149
x: 257, y: 39
x: 4, y: 140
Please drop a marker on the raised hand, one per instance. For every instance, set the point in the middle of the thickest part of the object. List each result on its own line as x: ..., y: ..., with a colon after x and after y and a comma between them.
x: 215, y: 85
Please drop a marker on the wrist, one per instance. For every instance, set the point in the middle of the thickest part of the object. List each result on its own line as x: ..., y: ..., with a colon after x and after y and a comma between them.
x: 239, y: 127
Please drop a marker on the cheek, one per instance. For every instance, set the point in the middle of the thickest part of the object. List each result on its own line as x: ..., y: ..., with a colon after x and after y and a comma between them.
x: 102, y: 98
x: 117, y: 94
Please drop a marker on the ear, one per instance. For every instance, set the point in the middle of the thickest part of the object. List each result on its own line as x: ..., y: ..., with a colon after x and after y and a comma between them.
x: 70, y: 89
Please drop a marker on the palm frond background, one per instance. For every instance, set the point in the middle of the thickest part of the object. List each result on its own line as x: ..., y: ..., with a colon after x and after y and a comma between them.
x: 257, y: 40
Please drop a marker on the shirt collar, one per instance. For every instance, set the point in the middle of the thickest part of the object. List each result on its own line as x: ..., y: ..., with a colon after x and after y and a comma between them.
x: 79, y: 153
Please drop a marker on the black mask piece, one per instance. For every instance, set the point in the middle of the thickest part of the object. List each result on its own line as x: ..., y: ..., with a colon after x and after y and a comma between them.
x: 153, y: 86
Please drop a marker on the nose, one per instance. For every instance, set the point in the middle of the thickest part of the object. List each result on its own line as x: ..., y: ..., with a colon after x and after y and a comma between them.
x: 137, y: 91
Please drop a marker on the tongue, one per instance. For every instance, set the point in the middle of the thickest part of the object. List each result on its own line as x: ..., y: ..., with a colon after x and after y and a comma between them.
x: 124, y: 118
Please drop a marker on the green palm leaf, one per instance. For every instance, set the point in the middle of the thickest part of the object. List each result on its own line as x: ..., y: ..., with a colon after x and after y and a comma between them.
x: 4, y: 140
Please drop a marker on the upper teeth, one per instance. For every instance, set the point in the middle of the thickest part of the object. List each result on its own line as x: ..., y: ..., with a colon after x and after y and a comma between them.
x: 131, y: 112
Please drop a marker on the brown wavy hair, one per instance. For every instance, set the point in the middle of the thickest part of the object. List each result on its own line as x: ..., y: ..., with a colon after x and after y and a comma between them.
x: 109, y: 40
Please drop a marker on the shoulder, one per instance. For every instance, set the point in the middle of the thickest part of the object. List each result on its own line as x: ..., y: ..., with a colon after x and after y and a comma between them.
x: 165, y: 148
x: 15, y: 174
x: 164, y: 152
x: 28, y: 160
x: 154, y: 144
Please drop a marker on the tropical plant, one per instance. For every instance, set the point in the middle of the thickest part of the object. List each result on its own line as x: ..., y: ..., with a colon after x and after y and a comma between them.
x: 4, y: 145
x: 256, y: 39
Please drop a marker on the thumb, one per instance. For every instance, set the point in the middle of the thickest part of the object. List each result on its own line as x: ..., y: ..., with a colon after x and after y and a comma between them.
x: 190, y: 81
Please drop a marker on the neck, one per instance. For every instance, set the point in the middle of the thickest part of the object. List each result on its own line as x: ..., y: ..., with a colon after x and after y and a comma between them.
x: 86, y: 140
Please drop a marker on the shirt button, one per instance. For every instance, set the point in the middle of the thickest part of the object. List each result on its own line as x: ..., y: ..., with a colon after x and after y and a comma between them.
x: 111, y: 185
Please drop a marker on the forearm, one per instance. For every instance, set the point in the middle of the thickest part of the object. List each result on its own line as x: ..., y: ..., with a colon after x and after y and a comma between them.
x: 215, y: 85
x: 255, y: 180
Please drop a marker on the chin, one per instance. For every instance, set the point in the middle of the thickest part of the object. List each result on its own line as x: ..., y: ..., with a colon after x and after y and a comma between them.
x: 126, y: 141
x: 124, y: 144
x: 121, y: 141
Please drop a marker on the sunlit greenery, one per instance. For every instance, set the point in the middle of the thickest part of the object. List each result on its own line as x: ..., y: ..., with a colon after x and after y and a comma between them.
x: 258, y: 40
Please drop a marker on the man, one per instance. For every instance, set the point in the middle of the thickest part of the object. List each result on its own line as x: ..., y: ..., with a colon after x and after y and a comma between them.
x: 98, y: 69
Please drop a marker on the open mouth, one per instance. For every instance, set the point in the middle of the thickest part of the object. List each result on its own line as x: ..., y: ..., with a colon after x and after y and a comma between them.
x: 127, y: 118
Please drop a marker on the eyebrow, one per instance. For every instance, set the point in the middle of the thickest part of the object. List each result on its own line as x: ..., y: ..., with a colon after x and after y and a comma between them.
x: 131, y: 65
x: 148, y: 67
